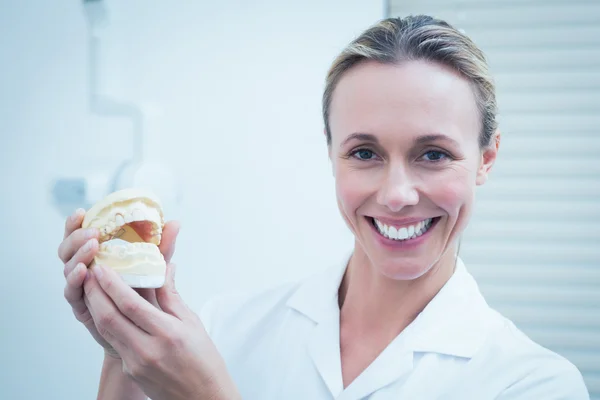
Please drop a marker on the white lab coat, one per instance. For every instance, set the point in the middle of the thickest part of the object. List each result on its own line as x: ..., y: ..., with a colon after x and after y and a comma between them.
x: 283, y: 343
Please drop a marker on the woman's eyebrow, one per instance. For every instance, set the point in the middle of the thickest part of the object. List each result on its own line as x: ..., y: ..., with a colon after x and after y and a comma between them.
x: 435, y: 137
x: 367, y: 137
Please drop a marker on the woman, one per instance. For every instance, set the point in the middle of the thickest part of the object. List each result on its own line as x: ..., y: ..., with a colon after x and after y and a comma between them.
x: 410, y: 122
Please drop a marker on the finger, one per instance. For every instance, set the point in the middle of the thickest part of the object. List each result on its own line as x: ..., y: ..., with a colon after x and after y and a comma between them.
x: 74, y: 222
x: 75, y: 297
x: 69, y: 246
x: 149, y: 295
x: 130, y: 303
x: 105, y: 335
x: 168, y: 239
x: 84, y: 255
x: 74, y: 291
x: 168, y: 297
x: 113, y: 326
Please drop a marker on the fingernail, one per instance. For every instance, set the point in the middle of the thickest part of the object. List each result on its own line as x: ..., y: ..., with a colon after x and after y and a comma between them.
x: 97, y: 271
x: 74, y: 271
x: 80, y: 267
x: 90, y: 233
x: 76, y: 214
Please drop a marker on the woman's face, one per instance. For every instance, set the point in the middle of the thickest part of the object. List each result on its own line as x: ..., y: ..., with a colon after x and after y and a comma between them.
x: 406, y: 158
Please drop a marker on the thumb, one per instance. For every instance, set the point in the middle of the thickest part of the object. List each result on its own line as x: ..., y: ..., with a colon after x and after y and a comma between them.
x: 169, y: 237
x: 168, y: 297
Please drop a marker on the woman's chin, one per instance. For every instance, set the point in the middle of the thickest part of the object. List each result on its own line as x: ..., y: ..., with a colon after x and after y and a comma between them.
x: 402, y: 269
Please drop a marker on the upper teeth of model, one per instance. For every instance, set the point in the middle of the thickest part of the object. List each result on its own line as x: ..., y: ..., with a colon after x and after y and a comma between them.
x: 405, y: 232
x: 120, y: 216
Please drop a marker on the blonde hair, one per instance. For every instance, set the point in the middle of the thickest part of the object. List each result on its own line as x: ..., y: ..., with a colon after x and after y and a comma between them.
x: 419, y: 37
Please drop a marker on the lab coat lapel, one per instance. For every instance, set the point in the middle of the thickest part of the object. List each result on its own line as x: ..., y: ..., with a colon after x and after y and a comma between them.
x: 317, y: 299
x: 394, y: 363
x: 454, y: 323
x: 324, y: 349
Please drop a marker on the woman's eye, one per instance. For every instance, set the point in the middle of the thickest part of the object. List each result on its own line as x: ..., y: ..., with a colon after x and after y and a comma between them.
x: 435, y: 155
x: 364, y: 154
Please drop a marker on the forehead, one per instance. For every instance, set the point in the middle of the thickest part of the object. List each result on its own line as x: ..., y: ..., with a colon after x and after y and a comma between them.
x: 403, y: 101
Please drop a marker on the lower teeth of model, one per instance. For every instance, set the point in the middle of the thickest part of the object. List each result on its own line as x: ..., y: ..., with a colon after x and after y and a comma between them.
x: 414, y: 236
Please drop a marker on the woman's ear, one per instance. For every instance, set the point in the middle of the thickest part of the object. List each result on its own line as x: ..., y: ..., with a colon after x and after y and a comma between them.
x: 488, y: 158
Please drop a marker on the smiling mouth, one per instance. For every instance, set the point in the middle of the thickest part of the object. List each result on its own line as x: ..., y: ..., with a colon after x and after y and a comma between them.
x: 404, y: 233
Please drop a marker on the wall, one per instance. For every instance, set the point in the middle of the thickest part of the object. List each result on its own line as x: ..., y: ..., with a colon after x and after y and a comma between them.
x: 239, y: 87
x: 533, y: 242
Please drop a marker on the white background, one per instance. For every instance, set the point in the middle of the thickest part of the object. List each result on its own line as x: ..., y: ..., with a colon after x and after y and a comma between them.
x: 239, y: 87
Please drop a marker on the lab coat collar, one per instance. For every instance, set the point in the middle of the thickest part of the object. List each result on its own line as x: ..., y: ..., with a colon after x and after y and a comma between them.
x: 454, y: 323
x: 317, y: 297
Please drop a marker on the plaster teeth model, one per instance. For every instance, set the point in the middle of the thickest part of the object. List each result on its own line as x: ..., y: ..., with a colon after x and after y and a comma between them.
x: 130, y: 223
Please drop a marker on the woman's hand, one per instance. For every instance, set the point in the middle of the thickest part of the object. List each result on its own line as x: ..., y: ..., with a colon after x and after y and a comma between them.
x: 166, y: 351
x: 77, y: 250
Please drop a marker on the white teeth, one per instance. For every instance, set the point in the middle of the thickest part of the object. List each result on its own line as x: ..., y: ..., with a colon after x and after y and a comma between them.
x: 116, y: 242
x: 403, y: 233
x: 410, y: 232
x: 134, y: 215
x: 119, y: 220
x: 138, y: 215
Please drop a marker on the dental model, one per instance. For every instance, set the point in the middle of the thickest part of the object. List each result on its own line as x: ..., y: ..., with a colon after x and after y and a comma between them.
x: 130, y: 223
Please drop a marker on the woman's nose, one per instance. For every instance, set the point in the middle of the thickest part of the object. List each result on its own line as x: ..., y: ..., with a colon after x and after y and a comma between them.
x: 398, y: 190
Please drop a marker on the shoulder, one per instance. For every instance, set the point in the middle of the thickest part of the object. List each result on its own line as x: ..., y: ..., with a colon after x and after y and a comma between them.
x: 528, y: 370
x: 244, y: 309
x: 261, y: 311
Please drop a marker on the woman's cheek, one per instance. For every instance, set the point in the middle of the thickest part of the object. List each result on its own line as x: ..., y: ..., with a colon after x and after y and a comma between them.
x: 352, y: 190
x: 455, y: 195
x: 452, y: 192
x: 347, y: 199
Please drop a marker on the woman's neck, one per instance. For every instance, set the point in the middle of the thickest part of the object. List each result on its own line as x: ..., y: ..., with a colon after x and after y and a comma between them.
x: 380, y: 307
